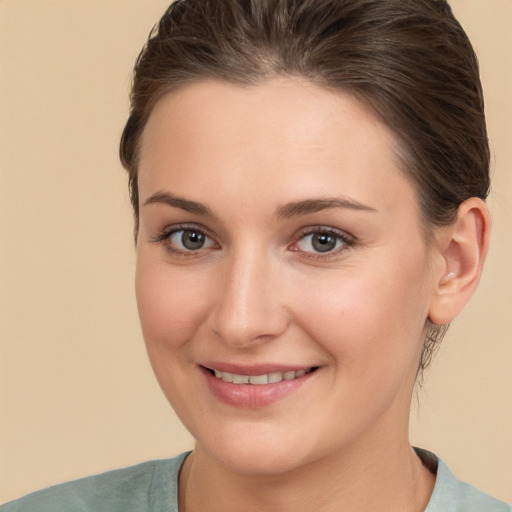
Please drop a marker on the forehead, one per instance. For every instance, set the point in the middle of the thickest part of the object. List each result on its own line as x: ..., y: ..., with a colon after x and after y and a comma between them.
x: 285, y: 134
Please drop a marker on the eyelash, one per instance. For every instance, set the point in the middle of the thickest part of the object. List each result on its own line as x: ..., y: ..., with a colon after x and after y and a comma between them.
x: 347, y: 241
x: 165, y: 236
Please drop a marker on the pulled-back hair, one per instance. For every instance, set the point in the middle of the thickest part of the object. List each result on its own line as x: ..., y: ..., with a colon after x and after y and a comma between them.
x: 408, y: 61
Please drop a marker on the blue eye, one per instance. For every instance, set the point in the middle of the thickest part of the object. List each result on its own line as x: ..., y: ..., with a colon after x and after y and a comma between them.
x: 322, y: 242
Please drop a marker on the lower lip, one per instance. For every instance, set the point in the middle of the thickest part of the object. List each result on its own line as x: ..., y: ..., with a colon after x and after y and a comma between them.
x: 253, y: 396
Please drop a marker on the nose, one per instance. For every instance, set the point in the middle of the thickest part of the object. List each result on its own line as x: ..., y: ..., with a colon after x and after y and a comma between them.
x: 249, y: 306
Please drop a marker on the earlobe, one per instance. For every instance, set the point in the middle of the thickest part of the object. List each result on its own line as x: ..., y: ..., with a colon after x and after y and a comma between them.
x: 463, y: 247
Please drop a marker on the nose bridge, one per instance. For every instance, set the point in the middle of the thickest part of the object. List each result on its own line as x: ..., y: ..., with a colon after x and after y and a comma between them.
x: 248, y: 306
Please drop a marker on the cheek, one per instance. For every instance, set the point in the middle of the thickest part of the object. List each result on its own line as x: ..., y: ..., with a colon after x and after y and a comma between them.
x: 169, y: 304
x: 369, y: 321
x: 170, y: 311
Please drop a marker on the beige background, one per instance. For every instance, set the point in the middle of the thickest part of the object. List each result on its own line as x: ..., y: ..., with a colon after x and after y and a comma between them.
x: 77, y: 393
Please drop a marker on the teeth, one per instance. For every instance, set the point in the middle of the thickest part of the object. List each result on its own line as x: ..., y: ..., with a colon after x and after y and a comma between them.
x: 275, y: 377
x: 267, y: 378
x: 240, y: 379
x: 258, y: 379
x: 227, y: 377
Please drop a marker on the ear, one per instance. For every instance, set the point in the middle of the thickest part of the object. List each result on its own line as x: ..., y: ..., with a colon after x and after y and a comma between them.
x: 462, y: 249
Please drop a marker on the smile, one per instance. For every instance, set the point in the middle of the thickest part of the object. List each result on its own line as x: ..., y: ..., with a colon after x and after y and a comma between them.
x: 258, y: 380
x: 265, y: 385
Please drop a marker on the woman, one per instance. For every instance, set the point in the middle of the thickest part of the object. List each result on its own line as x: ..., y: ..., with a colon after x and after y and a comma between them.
x: 308, y: 181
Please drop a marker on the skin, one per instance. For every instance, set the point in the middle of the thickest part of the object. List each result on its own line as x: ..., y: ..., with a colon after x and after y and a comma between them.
x: 259, y: 292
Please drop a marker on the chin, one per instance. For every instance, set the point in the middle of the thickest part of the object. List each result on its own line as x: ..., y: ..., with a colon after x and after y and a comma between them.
x: 256, y: 451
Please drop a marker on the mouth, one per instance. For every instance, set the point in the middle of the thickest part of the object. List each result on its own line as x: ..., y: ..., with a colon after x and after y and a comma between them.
x: 257, y: 386
x: 259, y: 380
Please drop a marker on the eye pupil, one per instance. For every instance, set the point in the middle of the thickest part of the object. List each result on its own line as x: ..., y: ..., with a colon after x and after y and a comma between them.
x: 323, y: 242
x: 192, y: 239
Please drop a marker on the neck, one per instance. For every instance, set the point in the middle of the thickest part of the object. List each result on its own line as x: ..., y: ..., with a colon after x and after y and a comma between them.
x: 390, y: 477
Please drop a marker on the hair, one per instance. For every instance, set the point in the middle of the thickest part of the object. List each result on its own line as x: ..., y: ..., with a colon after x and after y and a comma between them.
x: 409, y: 61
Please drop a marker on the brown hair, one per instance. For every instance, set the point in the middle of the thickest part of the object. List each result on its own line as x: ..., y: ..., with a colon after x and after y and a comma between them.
x: 409, y: 61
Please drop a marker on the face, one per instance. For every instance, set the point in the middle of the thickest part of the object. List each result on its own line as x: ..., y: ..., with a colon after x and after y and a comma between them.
x: 282, y: 276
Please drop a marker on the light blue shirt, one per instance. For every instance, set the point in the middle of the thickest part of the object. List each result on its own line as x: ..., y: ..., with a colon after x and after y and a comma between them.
x: 153, y: 487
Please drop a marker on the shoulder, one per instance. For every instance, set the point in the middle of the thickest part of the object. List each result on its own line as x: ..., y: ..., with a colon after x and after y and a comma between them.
x: 456, y: 496
x: 144, y: 487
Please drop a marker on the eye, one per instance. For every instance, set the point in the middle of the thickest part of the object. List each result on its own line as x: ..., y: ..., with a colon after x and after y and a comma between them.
x: 185, y: 240
x: 323, y: 241
x: 189, y: 239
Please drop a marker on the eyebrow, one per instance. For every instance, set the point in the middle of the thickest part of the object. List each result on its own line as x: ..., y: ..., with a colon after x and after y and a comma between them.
x: 179, y: 202
x: 307, y: 206
x: 286, y: 211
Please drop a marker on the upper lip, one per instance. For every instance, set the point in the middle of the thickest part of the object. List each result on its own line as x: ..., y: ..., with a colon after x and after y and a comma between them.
x: 254, y: 369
